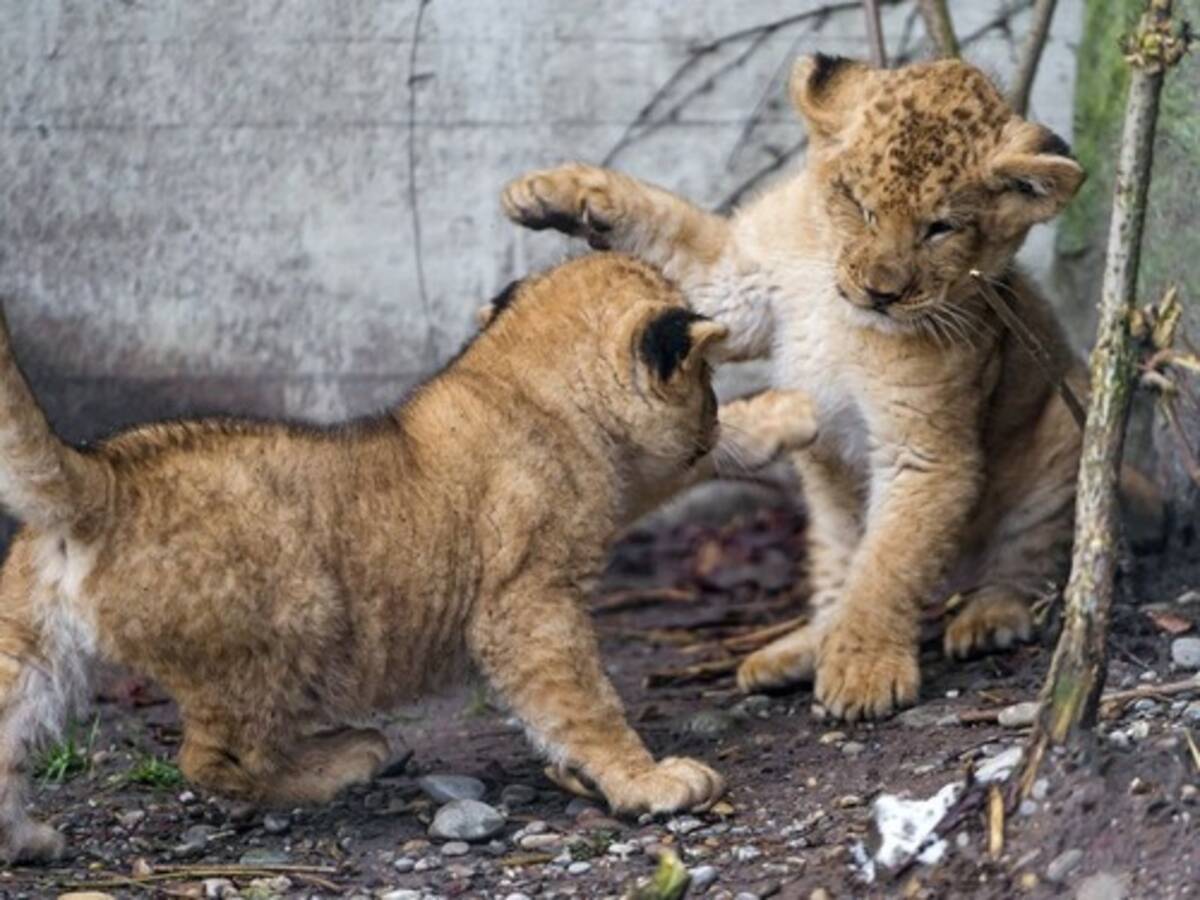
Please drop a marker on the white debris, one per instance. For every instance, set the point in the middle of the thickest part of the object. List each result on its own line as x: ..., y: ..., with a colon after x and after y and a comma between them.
x: 904, y: 826
x: 998, y: 767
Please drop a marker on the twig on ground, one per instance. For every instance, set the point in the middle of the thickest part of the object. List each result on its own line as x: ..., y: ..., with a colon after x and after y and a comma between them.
x: 621, y: 601
x: 990, y: 715
x: 1031, y: 55
x: 180, y: 873
x: 939, y: 26
x: 1070, y: 697
x: 693, y: 674
x: 995, y: 816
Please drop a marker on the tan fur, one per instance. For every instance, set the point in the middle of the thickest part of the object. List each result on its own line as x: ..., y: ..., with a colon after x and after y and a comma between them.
x: 945, y: 460
x: 287, y: 584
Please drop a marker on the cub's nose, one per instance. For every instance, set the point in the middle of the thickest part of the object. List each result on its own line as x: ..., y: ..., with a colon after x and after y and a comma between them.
x: 881, y: 299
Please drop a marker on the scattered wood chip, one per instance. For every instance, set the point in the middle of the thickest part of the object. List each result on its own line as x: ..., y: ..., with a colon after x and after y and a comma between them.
x: 1170, y: 622
x: 995, y: 815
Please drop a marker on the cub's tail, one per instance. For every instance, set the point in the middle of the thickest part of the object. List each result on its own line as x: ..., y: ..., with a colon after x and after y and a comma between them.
x: 43, y: 481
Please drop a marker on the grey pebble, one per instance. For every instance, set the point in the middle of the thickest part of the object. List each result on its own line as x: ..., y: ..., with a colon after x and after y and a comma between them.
x: 746, y: 853
x: 455, y: 848
x: 1018, y: 715
x: 853, y: 748
x: 1185, y: 652
x: 274, y: 823
x: 754, y: 705
x: 745, y: 895
x: 404, y: 864
x: 1191, y: 712
x: 579, y: 868
x: 1041, y: 789
x: 703, y: 877
x: 1063, y: 865
x: 711, y: 723
x: 578, y: 805
x: 684, y: 825
x: 518, y: 795
x: 261, y: 856
x: 401, y: 894
x: 131, y: 818
x: 466, y: 820
x: 193, y: 841
x: 425, y: 863
x: 1102, y: 886
x: 444, y: 788
x: 517, y: 897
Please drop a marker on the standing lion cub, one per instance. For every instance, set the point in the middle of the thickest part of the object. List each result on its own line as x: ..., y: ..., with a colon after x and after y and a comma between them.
x: 946, y: 461
x: 283, y: 582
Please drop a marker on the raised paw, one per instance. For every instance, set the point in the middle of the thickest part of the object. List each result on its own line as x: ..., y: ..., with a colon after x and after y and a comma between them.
x: 758, y: 429
x: 674, y: 784
x: 575, y: 199
x: 993, y: 619
x: 859, y: 679
x: 785, y: 661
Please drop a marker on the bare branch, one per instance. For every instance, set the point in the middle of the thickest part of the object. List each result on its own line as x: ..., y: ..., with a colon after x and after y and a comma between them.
x: 1031, y: 55
x: 939, y: 26
x: 875, y: 34
x: 1070, y: 697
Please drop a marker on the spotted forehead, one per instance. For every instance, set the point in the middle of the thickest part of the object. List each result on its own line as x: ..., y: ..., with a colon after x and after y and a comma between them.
x: 923, y: 132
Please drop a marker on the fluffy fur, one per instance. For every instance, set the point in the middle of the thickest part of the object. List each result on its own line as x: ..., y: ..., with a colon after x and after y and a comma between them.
x: 285, y: 583
x: 946, y: 461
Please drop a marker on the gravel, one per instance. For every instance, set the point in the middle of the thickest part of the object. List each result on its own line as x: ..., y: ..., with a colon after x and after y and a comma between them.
x: 444, y: 788
x: 1185, y: 652
x: 466, y: 820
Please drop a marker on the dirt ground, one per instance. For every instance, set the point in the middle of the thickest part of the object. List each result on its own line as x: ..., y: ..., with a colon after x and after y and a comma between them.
x: 1120, y: 822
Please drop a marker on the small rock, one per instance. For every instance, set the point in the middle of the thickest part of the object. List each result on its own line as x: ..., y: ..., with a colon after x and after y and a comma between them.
x: 623, y: 849
x: 1188, y: 793
x: 1028, y: 807
x: 517, y: 896
x: 401, y: 894
x: 404, y: 864
x: 847, y: 801
x: 1139, y: 731
x: 539, y: 841
x: 274, y: 823
x: 832, y: 737
x: 1185, y: 652
x: 1018, y: 715
x: 1101, y: 886
x: 1041, y: 789
x: 1146, y: 707
x: 444, y: 788
x: 131, y: 819
x: 711, y: 723
x: 819, y: 894
x: 85, y: 895
x: 261, y: 856
x: 1063, y: 865
x: 515, y: 795
x: 1191, y: 713
x: 195, y: 839
x: 187, y: 797
x: 579, y: 868
x: 684, y: 825
x: 578, y: 805
x: 466, y: 820
x: 219, y: 888
x: 703, y: 877
x: 456, y: 848
x: 276, y: 886
x: 426, y: 863
x: 1028, y: 881
x: 1187, y: 598
x: 921, y: 717
x: 853, y: 748
x: 746, y: 853
x: 746, y: 895
x: 753, y: 705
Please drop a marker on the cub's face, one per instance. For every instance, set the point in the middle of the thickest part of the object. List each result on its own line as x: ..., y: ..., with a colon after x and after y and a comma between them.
x: 926, y: 175
x: 632, y: 357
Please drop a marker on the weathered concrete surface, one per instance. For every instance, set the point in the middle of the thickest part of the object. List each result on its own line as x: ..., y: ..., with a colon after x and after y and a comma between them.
x: 210, y: 206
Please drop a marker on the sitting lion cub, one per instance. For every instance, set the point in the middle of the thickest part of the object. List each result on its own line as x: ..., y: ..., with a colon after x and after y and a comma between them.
x: 281, y: 582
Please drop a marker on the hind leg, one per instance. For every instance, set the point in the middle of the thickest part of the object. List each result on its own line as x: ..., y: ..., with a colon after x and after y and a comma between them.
x: 306, y: 769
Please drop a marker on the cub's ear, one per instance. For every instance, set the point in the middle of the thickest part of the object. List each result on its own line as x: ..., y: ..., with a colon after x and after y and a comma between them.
x: 1032, y: 176
x: 674, y: 341
x: 824, y: 89
x: 486, y: 314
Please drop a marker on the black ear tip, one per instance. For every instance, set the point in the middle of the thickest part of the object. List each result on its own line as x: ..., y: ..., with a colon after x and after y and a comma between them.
x: 824, y: 68
x: 504, y: 299
x: 667, y: 341
x: 1053, y: 145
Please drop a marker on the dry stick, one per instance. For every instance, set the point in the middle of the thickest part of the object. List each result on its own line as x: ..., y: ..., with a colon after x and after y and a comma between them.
x: 939, y: 26
x: 1069, y: 699
x: 1031, y: 55
x: 875, y: 34
x: 1190, y: 685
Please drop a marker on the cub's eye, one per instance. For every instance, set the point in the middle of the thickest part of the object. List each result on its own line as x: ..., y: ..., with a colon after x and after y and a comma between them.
x: 939, y: 229
x: 844, y: 189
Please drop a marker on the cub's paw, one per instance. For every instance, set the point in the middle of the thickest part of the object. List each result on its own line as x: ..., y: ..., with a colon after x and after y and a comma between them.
x: 758, y: 429
x: 788, y: 660
x: 30, y: 842
x: 674, y: 784
x: 865, y: 679
x: 574, y: 199
x: 994, y: 618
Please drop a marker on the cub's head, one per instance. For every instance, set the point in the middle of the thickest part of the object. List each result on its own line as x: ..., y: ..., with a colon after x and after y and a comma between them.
x: 612, y: 339
x: 927, y: 174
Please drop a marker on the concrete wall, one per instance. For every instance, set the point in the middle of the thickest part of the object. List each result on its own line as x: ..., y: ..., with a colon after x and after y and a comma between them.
x: 215, y: 206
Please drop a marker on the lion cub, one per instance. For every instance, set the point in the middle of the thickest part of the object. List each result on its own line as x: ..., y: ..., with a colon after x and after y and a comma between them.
x: 946, y: 461
x: 282, y: 582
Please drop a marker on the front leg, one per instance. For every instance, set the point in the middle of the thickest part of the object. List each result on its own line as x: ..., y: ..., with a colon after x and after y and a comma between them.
x: 923, y: 490
x: 535, y: 644
x: 613, y: 211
